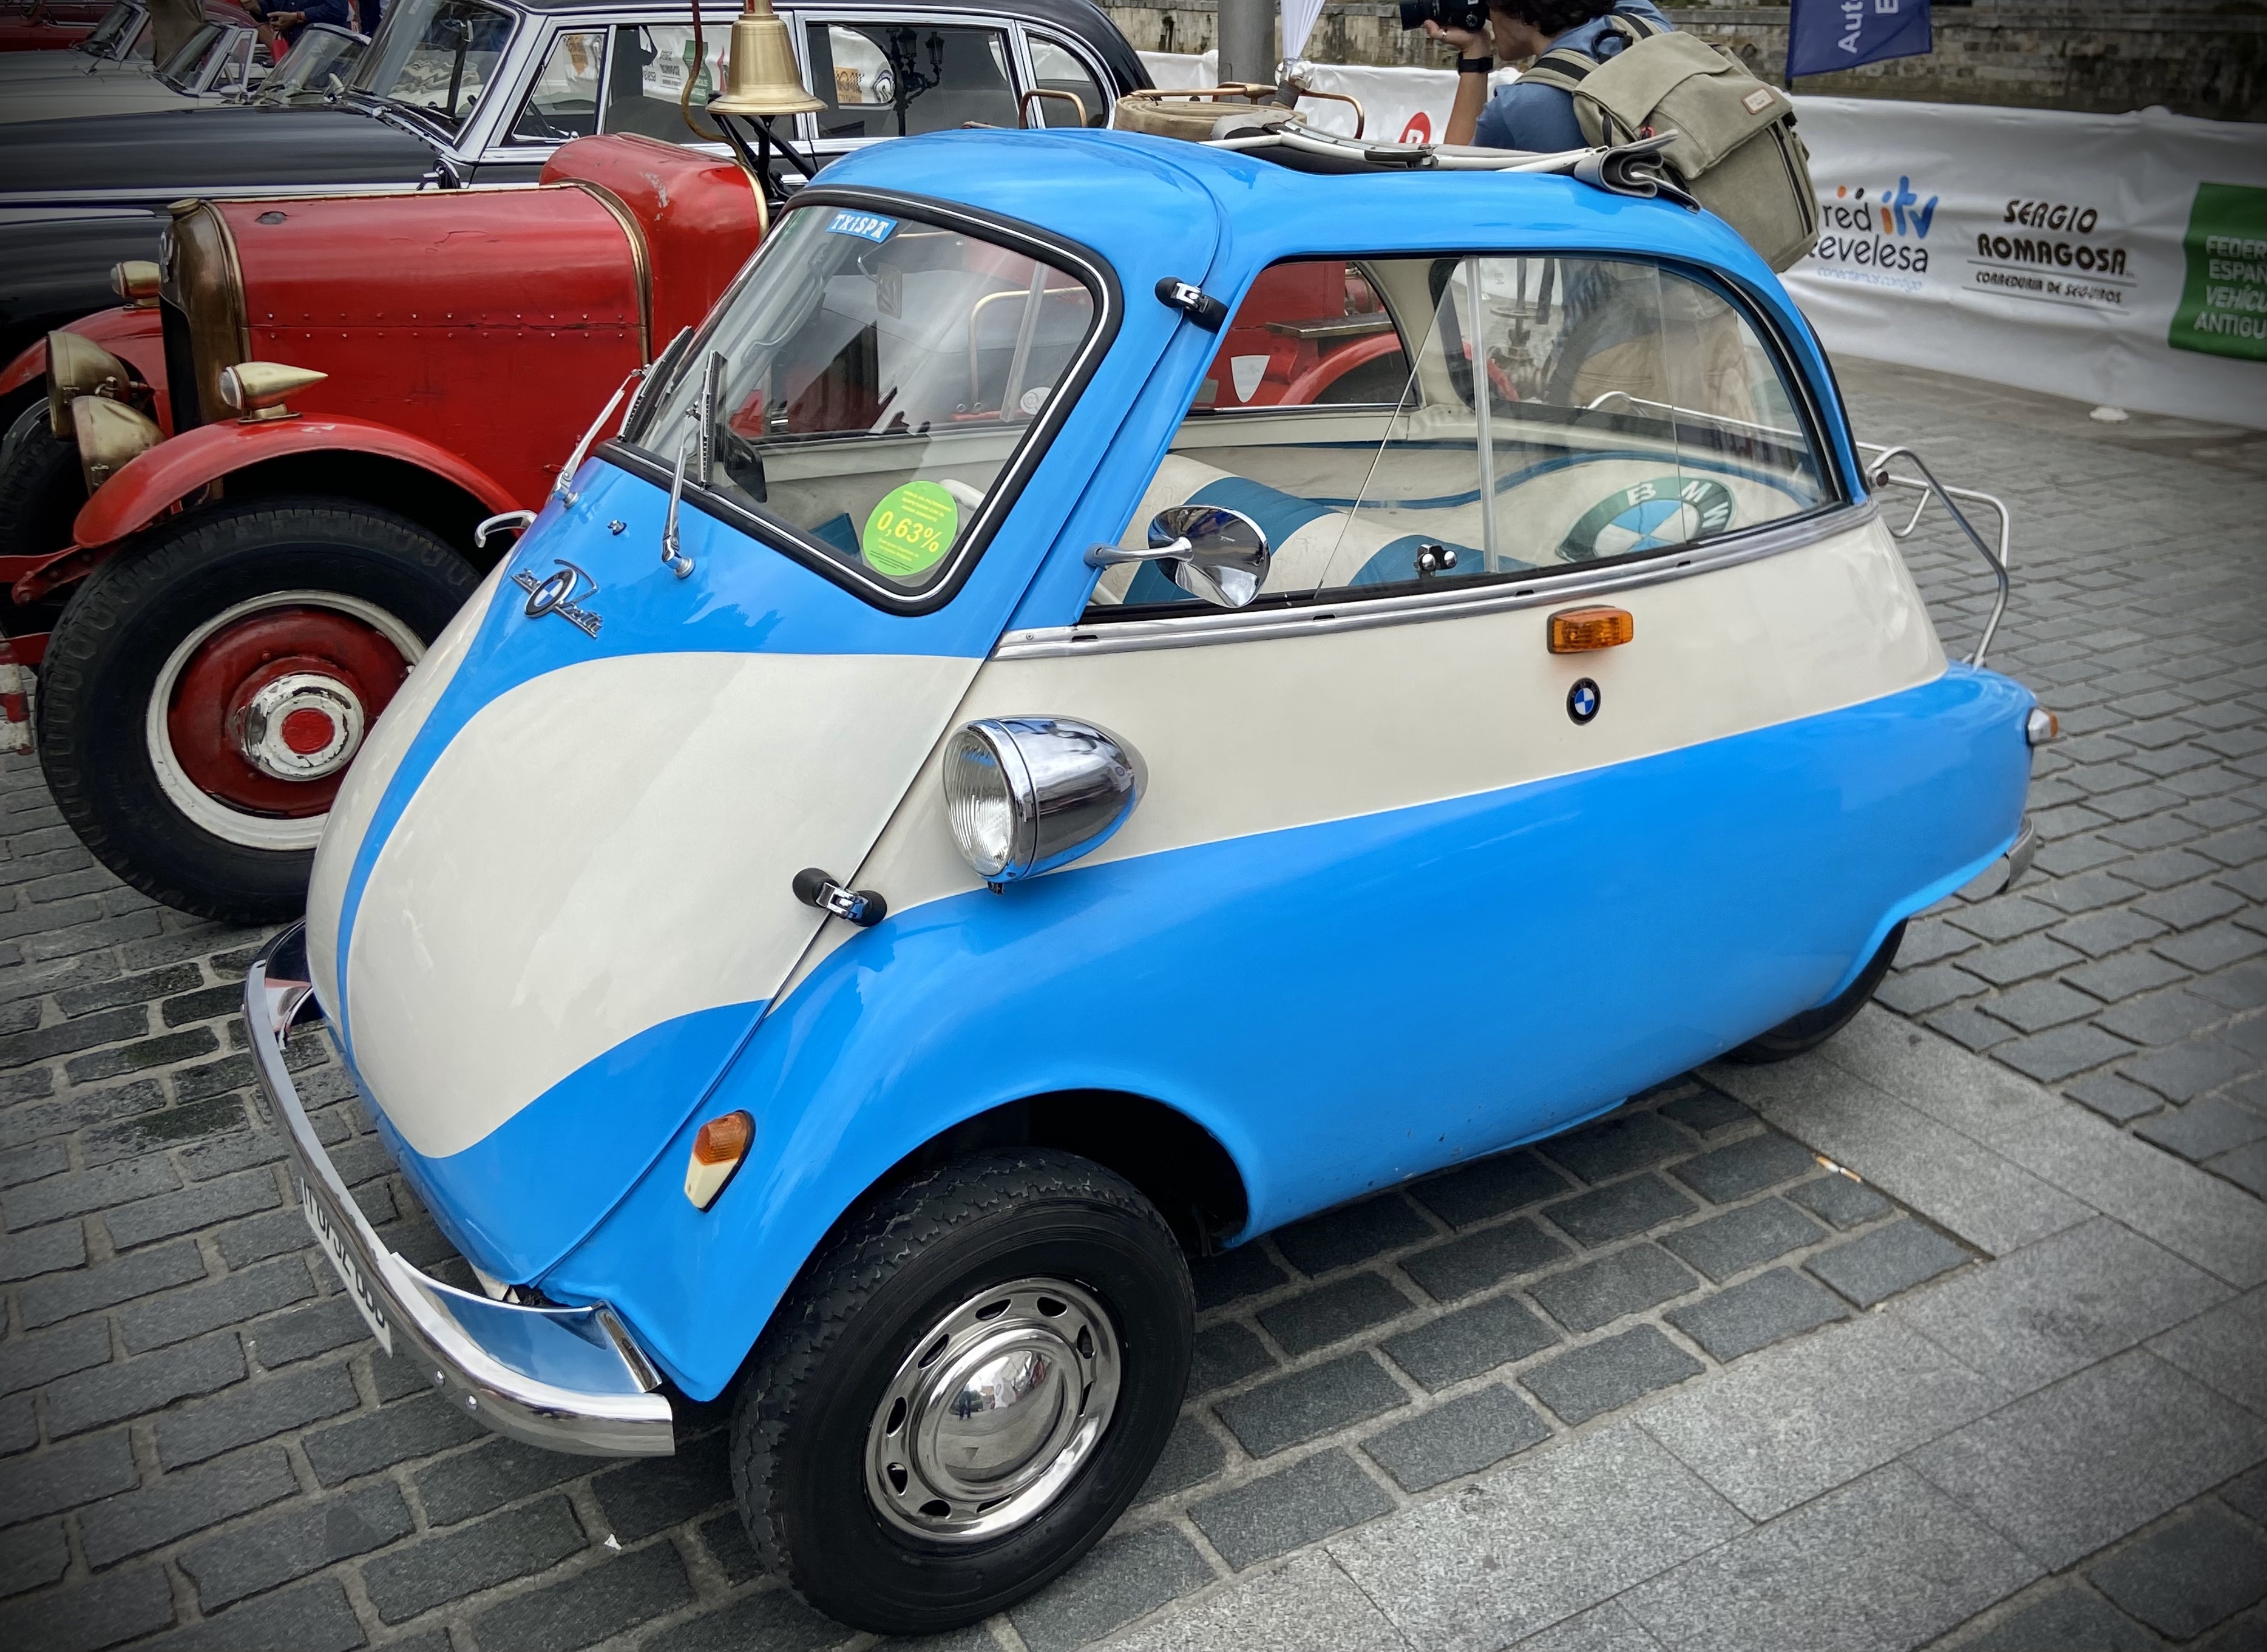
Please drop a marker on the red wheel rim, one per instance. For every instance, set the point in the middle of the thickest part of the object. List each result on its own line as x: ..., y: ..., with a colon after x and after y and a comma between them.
x: 268, y: 711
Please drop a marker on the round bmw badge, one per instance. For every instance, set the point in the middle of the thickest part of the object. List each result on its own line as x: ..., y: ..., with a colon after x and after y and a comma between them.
x: 1582, y: 701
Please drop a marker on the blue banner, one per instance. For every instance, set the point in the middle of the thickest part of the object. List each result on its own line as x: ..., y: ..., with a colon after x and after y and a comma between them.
x: 1824, y: 35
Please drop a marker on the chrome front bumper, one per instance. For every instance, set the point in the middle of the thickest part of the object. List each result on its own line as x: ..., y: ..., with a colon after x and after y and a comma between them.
x: 2007, y: 868
x: 568, y: 1380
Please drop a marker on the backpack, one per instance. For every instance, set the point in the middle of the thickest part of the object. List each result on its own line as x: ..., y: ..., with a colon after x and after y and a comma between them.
x: 1734, y: 150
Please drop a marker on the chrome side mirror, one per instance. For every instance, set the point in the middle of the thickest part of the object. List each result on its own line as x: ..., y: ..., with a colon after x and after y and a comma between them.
x: 1218, y: 555
x: 1026, y: 795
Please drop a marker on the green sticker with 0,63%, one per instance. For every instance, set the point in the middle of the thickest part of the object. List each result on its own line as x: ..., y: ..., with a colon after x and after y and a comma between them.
x: 910, y: 530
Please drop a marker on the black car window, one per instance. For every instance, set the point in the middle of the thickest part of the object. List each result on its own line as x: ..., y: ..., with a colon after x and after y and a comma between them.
x: 884, y: 79
x: 646, y: 89
x: 1058, y: 70
x: 563, y: 103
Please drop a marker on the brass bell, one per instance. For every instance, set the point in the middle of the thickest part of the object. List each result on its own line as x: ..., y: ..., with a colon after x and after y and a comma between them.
x: 761, y: 79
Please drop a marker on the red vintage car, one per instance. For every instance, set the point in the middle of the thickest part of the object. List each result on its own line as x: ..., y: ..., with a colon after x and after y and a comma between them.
x: 47, y: 25
x: 250, y: 497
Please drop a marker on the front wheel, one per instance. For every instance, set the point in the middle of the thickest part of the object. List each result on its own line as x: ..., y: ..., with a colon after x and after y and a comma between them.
x: 206, y: 688
x: 963, y: 1391
x: 1813, y: 1027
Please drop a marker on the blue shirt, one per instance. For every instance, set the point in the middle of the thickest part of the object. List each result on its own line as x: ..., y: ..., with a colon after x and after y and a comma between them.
x: 1541, y: 117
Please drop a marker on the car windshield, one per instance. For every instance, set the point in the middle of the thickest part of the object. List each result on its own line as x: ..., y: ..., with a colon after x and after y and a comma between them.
x: 182, y: 66
x: 868, y: 384
x: 315, y: 69
x: 435, y: 56
x: 105, y: 40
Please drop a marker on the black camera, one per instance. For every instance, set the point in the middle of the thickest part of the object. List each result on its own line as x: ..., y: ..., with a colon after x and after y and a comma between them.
x: 1449, y: 14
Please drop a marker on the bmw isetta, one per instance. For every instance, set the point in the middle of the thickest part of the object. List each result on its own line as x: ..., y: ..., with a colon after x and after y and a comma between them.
x: 955, y: 812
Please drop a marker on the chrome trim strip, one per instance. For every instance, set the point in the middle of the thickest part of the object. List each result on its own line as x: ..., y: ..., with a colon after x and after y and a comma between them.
x: 458, y: 1337
x: 1363, y: 614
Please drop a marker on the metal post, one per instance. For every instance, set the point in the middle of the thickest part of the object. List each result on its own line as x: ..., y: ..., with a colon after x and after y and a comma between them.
x: 1247, y: 40
x: 1483, y: 406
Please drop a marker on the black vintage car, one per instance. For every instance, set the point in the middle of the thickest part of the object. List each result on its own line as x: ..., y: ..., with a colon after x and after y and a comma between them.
x: 457, y: 93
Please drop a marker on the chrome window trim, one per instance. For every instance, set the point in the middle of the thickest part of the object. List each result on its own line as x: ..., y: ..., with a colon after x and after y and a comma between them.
x: 1027, y: 31
x: 1339, y: 614
x: 1090, y: 268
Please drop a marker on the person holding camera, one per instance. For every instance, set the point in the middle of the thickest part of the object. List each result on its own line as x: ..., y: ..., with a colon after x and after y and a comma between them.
x: 1537, y: 118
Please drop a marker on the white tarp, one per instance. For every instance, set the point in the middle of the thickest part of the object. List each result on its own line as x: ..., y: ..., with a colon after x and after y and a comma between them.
x: 2119, y: 259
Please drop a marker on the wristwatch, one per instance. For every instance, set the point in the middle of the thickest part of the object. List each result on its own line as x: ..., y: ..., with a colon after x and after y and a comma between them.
x: 1476, y: 65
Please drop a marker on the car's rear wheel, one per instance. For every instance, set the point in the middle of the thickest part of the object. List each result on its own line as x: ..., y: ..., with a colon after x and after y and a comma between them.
x: 207, y: 688
x: 963, y: 1391
x: 1813, y: 1027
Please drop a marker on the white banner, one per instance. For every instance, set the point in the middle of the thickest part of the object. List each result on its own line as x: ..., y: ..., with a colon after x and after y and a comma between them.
x: 2119, y: 258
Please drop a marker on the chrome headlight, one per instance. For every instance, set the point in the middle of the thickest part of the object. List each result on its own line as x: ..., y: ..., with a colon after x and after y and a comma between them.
x: 1026, y: 795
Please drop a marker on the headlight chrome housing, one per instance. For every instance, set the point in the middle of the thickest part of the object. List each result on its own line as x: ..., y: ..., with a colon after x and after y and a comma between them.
x: 1026, y: 795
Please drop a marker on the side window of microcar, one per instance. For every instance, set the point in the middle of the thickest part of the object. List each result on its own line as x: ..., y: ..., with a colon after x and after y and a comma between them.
x: 889, y: 79
x: 861, y: 395
x: 1387, y: 421
x: 563, y: 103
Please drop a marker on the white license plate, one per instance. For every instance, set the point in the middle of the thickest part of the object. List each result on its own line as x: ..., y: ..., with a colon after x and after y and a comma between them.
x: 326, y: 1235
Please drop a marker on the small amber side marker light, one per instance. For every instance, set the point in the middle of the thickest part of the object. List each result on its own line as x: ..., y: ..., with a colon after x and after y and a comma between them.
x: 718, y: 1146
x: 2042, y: 727
x: 1580, y: 630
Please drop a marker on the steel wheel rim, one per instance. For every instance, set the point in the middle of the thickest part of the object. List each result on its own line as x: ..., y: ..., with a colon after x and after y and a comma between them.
x: 209, y: 814
x: 992, y: 1415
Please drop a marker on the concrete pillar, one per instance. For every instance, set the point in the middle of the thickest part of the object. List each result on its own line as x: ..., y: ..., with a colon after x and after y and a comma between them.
x: 1247, y: 40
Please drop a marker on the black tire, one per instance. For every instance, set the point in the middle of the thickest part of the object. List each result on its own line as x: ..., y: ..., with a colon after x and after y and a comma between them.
x: 129, y: 616
x: 1813, y: 1027
x: 41, y: 486
x: 868, y: 1301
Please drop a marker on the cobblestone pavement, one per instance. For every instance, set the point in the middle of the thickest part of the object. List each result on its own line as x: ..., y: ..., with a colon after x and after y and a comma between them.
x: 1670, y: 1381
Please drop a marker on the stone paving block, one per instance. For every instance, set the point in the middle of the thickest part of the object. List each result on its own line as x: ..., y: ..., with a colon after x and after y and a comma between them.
x: 1747, y: 1237
x: 32, y: 1557
x: 93, y: 1615
x: 42, y: 1250
x: 1840, y: 1199
x: 1126, y: 1575
x: 2117, y: 1098
x: 2039, y: 1313
x: 2204, y: 1129
x: 2039, y: 1004
x: 19, y: 1427
x: 1453, y: 1270
x: 1607, y: 1374
x: 726, y: 1539
x: 111, y: 1393
x: 654, y: 1493
x: 1969, y: 1026
x: 1226, y: 1353
x: 1604, y: 1628
x: 2122, y: 974
x: 133, y: 1523
x: 306, y: 1331
x: 1615, y: 1146
x: 2187, y: 1576
x: 29, y: 1362
x: 192, y: 1207
x: 2058, y: 1614
x: 57, y: 1479
x: 2246, y: 1167
x: 517, y: 1543
x: 1459, y: 1436
x: 773, y: 1620
x: 316, y: 1617
x: 30, y: 1164
x: 2243, y: 987
x: 1488, y: 1187
x: 2213, y: 946
x: 1624, y: 1282
x: 2099, y: 934
x: 2004, y: 917
x: 2036, y: 954
x: 1881, y: 1564
x: 2225, y: 1348
x: 1587, y: 1519
x: 1246, y: 1271
x: 2188, y: 908
x: 2182, y: 1071
x: 226, y: 1301
x: 2164, y: 1017
x: 1607, y: 1214
x: 1309, y: 1403
x: 1916, y: 991
x: 2054, y: 1055
x: 1331, y: 1313
x: 1745, y: 1167
x: 1352, y: 1233
x: 1757, y: 1312
x: 1710, y: 1109
x: 1890, y: 1259
x: 1293, y: 1609
x: 258, y: 1411
x: 615, y: 1595
x: 1792, y: 1422
x: 471, y: 1483
x: 362, y: 1445
x: 1192, y: 1456
x: 61, y: 1297
x: 1302, y: 1504
x: 2081, y: 1463
x: 1469, y: 1342
x: 305, y: 1539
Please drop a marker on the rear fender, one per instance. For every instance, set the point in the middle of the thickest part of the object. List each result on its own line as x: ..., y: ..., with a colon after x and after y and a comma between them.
x: 173, y: 470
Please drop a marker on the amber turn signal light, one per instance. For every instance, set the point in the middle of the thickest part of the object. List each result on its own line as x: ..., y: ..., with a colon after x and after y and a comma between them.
x: 1580, y: 630
x: 2042, y: 727
x: 718, y: 1146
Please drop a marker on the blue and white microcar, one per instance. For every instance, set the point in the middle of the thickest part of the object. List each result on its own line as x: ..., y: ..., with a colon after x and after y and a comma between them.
x: 1020, y: 764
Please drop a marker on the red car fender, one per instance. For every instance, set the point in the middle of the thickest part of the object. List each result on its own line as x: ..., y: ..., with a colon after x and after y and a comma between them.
x: 132, y: 332
x: 1335, y: 366
x: 172, y: 470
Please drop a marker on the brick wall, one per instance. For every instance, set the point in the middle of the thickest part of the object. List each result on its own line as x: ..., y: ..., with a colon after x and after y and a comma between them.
x: 2205, y: 58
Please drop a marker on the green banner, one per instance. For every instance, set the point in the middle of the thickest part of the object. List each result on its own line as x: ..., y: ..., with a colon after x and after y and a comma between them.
x: 2224, y: 305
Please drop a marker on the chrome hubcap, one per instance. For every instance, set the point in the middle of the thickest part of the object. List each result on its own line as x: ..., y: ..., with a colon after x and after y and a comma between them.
x: 304, y: 726
x: 993, y: 1413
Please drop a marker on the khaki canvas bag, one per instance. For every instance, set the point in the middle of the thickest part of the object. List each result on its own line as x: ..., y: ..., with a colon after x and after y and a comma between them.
x: 1736, y: 150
